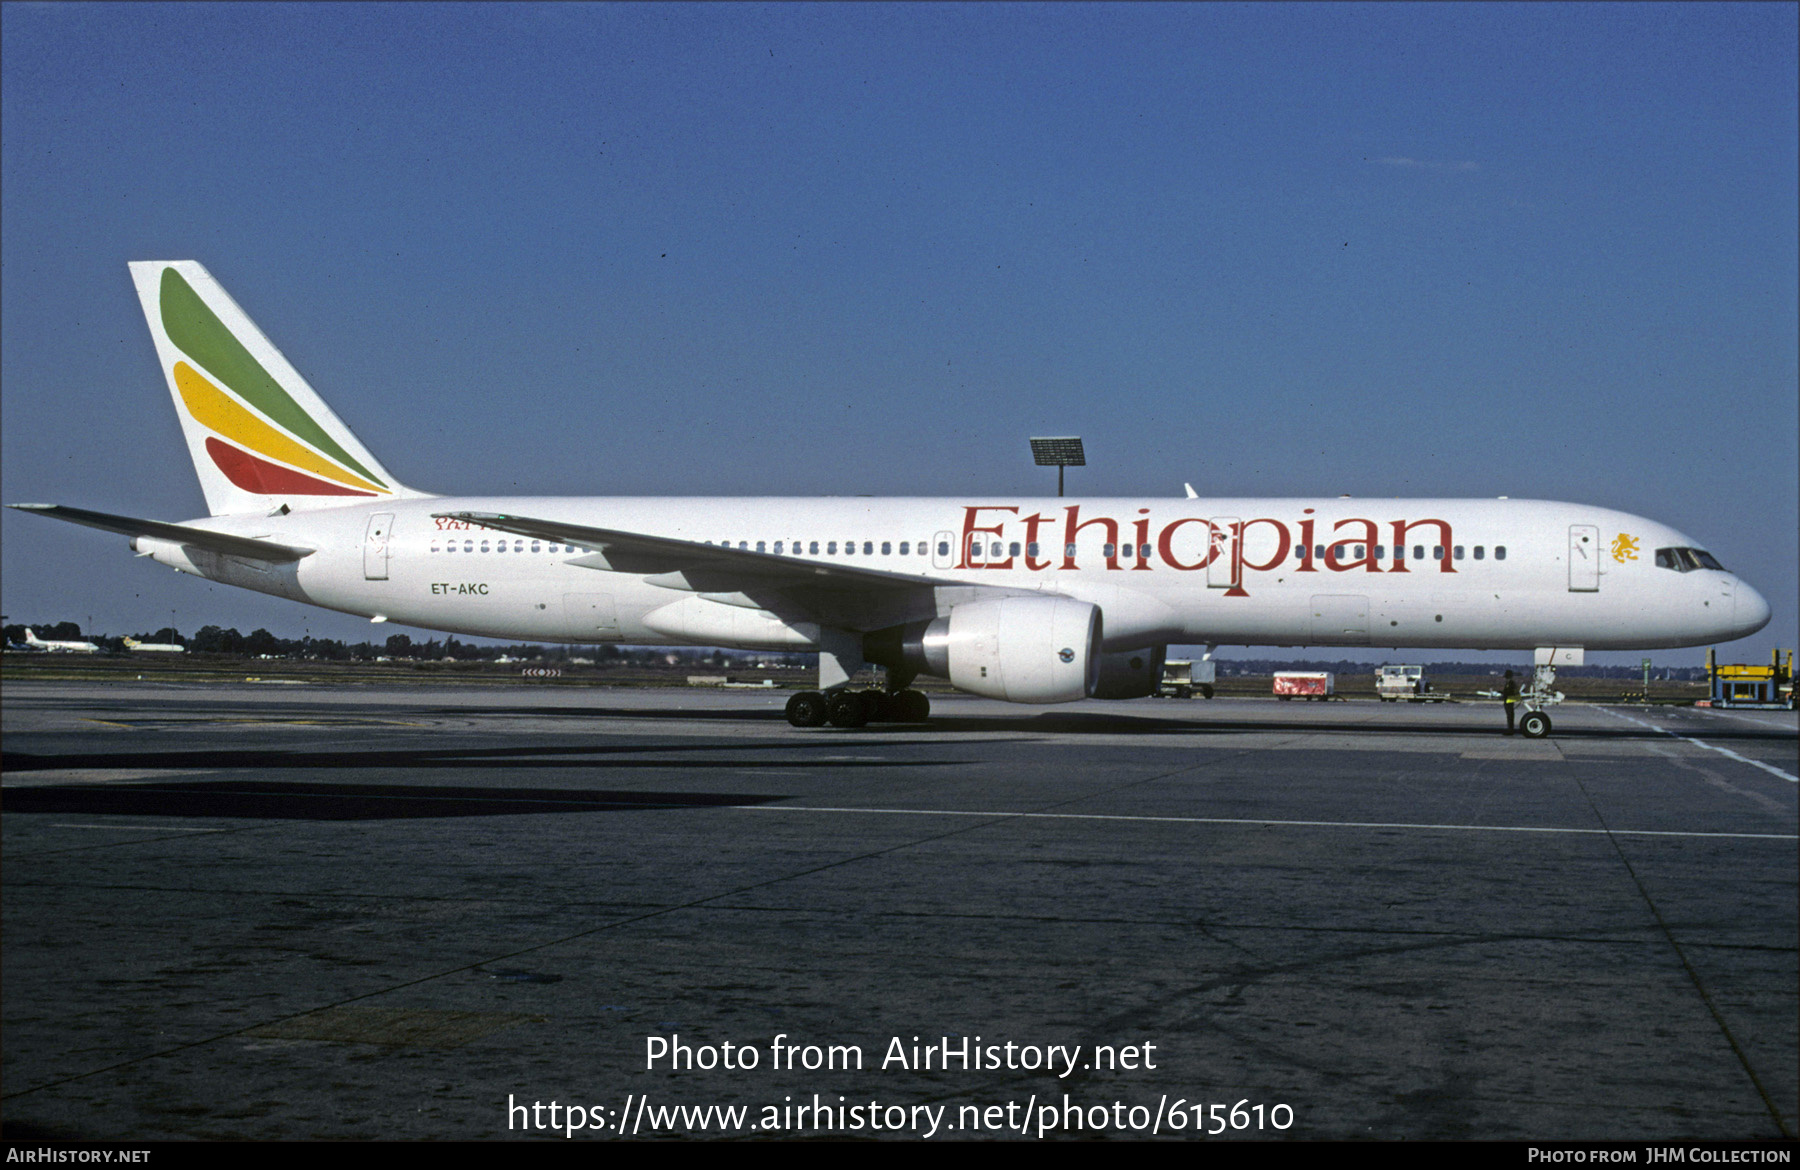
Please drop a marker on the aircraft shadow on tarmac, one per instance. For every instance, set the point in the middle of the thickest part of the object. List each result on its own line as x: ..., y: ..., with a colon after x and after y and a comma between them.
x: 686, y: 756
x: 310, y: 800
x: 285, y: 800
x: 351, y: 800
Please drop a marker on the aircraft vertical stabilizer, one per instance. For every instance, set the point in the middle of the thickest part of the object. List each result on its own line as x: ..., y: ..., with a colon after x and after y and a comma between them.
x: 260, y: 437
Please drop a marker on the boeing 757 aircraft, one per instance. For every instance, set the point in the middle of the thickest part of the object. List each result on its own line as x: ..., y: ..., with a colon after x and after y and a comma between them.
x: 1027, y: 600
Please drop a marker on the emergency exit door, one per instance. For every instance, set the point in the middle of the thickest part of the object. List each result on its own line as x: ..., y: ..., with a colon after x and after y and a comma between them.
x: 943, y: 550
x: 1224, y: 562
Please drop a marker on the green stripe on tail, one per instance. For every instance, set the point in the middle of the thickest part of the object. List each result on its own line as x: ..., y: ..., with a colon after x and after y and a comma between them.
x: 202, y: 336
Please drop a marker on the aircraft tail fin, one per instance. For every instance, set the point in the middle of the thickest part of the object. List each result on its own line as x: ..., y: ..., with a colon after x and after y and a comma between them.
x: 259, y: 436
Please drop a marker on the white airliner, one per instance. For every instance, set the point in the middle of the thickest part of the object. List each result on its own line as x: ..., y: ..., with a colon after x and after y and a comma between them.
x: 33, y: 642
x: 1028, y: 600
x: 137, y: 647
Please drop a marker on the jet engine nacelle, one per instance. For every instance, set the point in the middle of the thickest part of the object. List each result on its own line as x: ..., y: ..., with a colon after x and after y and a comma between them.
x: 1021, y: 649
x: 1131, y: 674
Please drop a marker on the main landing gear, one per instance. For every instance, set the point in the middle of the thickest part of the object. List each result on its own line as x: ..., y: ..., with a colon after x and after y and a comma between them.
x: 847, y: 708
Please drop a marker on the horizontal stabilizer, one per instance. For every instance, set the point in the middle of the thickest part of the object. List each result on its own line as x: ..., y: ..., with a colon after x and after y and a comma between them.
x: 219, y: 542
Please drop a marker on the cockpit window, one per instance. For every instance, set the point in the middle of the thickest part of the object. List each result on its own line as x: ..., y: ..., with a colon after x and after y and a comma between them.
x: 1686, y: 560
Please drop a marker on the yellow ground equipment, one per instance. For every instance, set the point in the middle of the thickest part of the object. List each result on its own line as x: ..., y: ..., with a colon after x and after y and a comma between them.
x: 1768, y: 687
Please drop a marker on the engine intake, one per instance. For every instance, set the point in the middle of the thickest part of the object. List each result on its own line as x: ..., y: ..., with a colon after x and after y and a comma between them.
x: 1021, y: 649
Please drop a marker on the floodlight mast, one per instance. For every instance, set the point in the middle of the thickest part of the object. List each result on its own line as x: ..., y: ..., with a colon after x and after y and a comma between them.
x: 1058, y: 453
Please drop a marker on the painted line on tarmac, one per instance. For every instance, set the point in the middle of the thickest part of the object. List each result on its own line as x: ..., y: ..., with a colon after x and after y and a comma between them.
x: 1262, y: 821
x: 1760, y: 720
x: 1770, y: 768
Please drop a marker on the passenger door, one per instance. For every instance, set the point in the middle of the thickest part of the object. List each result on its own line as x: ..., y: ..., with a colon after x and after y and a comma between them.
x: 1584, y: 558
x: 375, y: 546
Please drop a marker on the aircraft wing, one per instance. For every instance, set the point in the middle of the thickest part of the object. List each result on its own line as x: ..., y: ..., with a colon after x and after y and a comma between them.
x: 220, y: 542
x: 844, y: 595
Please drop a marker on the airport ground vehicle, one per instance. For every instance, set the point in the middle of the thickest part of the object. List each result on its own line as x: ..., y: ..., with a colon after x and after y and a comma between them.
x: 1394, y: 683
x: 1183, y: 678
x: 1768, y: 687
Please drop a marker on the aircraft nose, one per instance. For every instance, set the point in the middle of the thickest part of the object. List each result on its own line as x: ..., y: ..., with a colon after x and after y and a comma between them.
x: 1750, y: 612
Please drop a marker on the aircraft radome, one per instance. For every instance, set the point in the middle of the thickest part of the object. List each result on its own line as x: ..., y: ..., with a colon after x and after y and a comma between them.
x: 1028, y: 600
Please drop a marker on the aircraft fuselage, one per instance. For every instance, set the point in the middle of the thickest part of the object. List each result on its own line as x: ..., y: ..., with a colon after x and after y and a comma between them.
x: 1449, y: 573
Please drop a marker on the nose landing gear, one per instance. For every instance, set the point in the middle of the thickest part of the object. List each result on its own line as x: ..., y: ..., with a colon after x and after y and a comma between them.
x: 1535, y: 723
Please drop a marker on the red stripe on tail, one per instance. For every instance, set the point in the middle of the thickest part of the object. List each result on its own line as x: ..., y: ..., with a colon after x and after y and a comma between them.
x: 267, y: 479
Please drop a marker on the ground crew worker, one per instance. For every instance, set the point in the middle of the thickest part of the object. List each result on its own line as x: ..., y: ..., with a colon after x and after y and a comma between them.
x: 1509, y: 694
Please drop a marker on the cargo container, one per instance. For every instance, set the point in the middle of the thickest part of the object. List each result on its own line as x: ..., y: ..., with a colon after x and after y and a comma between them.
x: 1304, y: 684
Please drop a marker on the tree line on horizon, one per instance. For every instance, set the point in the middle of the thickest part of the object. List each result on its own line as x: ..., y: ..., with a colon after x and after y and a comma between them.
x: 260, y: 642
x: 228, y: 641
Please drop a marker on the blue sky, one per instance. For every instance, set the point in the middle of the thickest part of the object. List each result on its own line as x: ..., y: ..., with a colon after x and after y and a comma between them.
x: 1529, y: 250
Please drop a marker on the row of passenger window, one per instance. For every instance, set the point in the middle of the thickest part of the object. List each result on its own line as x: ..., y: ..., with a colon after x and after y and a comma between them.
x: 999, y: 550
x: 1683, y: 559
x: 1355, y: 552
x: 811, y: 548
x: 500, y: 546
x: 1339, y: 552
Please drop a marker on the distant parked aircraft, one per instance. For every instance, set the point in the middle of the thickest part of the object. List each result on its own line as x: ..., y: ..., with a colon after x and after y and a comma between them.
x: 33, y: 642
x: 138, y: 647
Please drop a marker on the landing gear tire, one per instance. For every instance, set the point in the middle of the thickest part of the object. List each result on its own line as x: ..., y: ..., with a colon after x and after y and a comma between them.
x: 847, y: 709
x: 909, y: 707
x: 1534, y: 725
x: 807, y: 709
